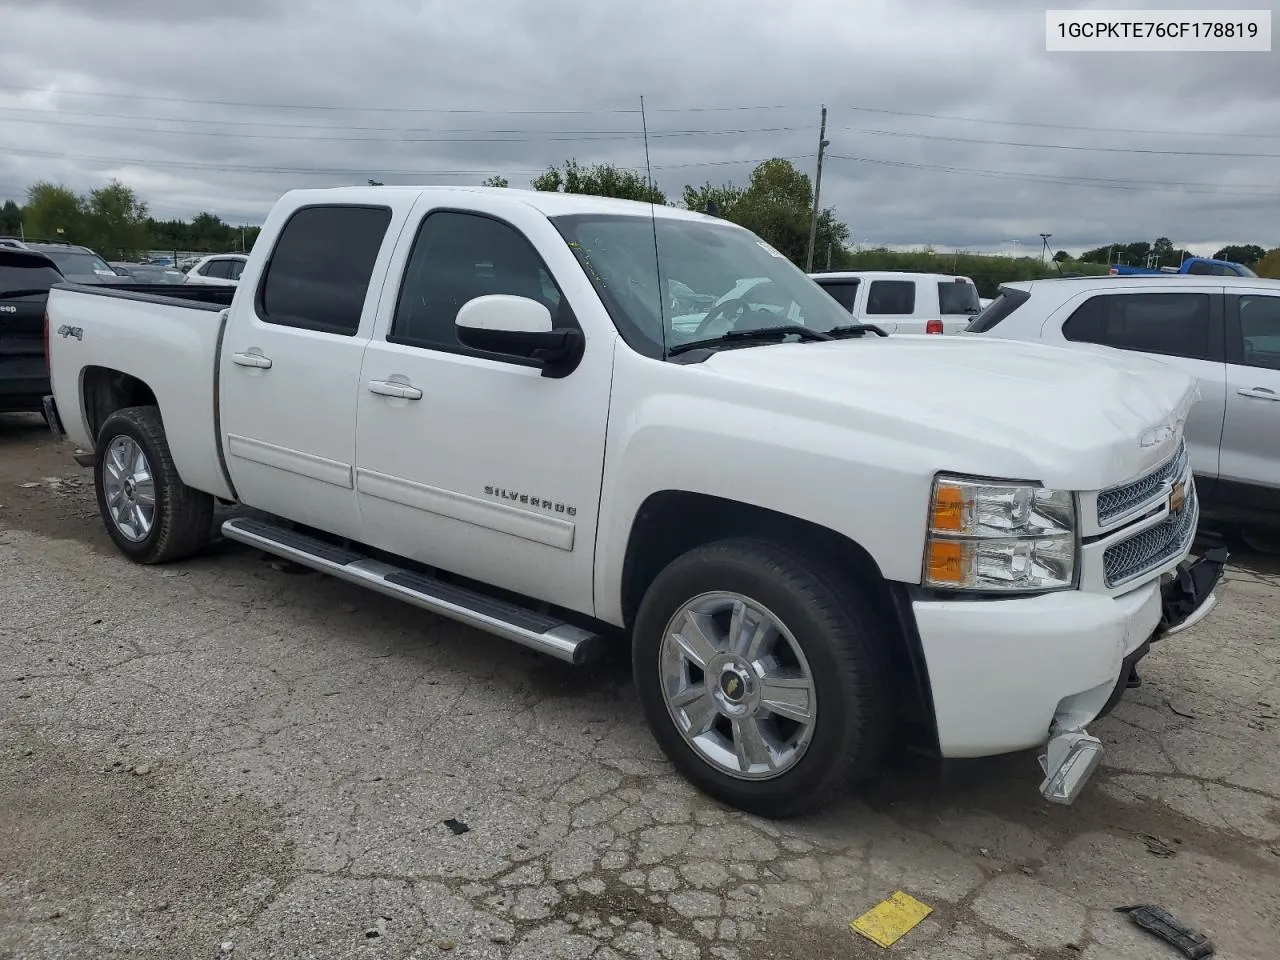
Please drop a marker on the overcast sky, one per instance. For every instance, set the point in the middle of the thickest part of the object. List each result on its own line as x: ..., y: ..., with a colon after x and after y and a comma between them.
x: 221, y: 105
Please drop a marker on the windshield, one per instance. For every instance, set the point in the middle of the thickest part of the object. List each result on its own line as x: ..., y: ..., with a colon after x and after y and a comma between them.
x: 957, y: 296
x: 716, y: 279
x: 72, y: 262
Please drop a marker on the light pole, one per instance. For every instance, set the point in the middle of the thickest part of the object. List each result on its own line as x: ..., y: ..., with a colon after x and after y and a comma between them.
x: 1044, y: 248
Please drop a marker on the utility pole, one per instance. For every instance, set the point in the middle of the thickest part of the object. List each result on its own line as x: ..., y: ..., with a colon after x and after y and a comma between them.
x: 1044, y: 248
x: 823, y: 143
x: 829, y: 257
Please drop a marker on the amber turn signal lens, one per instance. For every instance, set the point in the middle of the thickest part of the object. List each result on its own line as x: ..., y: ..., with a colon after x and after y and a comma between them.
x: 948, y: 509
x: 946, y: 561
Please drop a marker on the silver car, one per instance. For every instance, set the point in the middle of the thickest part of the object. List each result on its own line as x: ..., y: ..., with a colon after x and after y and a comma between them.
x: 1224, y: 330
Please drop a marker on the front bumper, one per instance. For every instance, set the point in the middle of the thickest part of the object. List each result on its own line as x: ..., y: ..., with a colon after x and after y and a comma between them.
x: 1008, y: 674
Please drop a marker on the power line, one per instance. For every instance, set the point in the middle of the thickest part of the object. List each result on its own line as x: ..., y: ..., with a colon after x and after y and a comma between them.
x: 1241, y: 190
x: 1060, y: 146
x: 361, y: 172
x: 1064, y: 126
x: 503, y: 136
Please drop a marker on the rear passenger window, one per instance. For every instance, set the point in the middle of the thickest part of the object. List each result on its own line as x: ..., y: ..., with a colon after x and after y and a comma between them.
x: 1260, y: 332
x: 844, y: 292
x: 319, y: 271
x: 957, y: 297
x: 457, y: 257
x: 891, y: 298
x: 216, y: 269
x: 1174, y: 324
x: 234, y: 269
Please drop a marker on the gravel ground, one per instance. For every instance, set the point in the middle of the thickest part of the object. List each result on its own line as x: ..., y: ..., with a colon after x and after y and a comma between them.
x: 227, y: 758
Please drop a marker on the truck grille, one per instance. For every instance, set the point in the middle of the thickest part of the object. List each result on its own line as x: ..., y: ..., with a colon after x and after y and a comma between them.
x: 1129, y: 559
x: 1121, y: 500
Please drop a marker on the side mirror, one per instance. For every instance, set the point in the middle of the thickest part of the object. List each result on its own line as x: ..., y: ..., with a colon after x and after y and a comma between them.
x: 519, y: 327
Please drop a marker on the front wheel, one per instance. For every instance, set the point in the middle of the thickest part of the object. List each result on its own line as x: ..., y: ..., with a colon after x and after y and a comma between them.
x: 149, y: 513
x: 762, y: 677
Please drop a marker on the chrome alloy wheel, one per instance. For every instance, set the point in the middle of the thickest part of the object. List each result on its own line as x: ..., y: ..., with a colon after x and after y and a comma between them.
x: 738, y: 686
x: 129, y: 488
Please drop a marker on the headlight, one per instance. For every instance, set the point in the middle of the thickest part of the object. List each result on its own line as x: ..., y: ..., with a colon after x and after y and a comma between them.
x: 1000, y: 537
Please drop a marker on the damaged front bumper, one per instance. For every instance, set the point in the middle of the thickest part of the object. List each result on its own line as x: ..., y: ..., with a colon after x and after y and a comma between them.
x: 1186, y: 598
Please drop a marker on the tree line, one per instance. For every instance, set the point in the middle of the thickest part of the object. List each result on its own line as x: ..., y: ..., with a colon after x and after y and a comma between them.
x: 114, y: 222
x: 776, y: 203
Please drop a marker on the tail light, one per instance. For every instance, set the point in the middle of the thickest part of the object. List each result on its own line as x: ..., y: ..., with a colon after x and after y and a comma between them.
x: 931, y: 326
x: 48, y: 367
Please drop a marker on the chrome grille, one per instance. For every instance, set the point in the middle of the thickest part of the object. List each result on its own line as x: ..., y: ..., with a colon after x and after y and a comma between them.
x: 1118, y: 501
x: 1128, y: 559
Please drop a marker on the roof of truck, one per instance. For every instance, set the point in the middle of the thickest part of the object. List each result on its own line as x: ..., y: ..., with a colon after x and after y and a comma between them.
x: 549, y: 203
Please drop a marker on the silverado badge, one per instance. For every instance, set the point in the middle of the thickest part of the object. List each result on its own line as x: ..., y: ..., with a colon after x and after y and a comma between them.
x: 1178, y: 497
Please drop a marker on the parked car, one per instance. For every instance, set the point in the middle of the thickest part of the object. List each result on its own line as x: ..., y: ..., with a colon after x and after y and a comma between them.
x: 1190, y: 267
x: 476, y: 402
x: 77, y: 264
x: 1225, y: 331
x: 222, y: 269
x: 25, y: 279
x: 148, y: 273
x: 900, y: 302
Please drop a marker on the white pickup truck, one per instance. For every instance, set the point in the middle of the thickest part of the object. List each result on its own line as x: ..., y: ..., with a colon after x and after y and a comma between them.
x: 811, y: 535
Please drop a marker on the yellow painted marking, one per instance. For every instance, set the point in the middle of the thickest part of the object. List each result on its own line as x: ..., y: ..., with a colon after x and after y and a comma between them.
x: 889, y: 920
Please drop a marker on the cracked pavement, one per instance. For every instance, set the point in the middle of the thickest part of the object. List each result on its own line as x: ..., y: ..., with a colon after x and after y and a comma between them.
x: 227, y: 757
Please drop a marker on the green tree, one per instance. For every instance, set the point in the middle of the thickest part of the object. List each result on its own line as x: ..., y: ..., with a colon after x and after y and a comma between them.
x: 1162, y: 251
x: 1248, y: 253
x: 708, y: 198
x: 10, y: 219
x: 777, y: 205
x: 54, y: 212
x: 116, y: 221
x: 600, y: 180
x: 1061, y: 257
x: 497, y: 180
x: 1268, y: 265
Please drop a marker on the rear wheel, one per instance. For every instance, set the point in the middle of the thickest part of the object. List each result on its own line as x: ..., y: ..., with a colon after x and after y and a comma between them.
x: 761, y: 676
x: 149, y: 513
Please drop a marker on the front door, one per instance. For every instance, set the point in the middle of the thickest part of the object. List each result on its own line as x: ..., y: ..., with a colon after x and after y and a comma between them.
x: 290, y: 366
x: 1251, y: 430
x: 469, y: 461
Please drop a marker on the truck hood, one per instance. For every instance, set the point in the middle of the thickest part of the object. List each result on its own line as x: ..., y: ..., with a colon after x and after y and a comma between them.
x: 1070, y: 419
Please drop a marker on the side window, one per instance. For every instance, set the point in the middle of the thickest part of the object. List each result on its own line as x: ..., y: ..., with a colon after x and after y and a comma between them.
x: 319, y: 271
x: 844, y: 292
x: 218, y: 269
x: 1201, y: 269
x: 1260, y: 332
x: 457, y: 257
x: 1174, y: 324
x: 891, y: 298
x: 234, y: 269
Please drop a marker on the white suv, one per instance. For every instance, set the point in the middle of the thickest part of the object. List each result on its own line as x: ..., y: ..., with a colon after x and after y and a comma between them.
x: 223, y: 269
x: 902, y: 302
x: 1223, y: 330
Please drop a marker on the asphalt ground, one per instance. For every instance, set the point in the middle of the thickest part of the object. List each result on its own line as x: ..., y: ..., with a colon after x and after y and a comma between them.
x: 227, y: 757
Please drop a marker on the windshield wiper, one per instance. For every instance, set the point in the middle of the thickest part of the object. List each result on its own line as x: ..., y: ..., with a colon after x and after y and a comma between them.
x: 855, y: 330
x: 761, y: 334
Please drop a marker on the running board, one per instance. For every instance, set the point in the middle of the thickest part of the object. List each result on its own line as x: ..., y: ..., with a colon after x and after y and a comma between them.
x: 532, y: 629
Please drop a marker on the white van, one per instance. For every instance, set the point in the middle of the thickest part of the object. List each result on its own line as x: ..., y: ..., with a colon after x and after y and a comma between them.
x: 900, y: 302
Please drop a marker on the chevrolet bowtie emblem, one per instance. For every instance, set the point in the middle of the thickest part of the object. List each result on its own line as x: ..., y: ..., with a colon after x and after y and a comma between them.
x: 1178, y: 497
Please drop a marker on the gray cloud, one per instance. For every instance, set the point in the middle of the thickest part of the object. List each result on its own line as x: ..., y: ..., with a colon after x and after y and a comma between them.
x: 419, y: 91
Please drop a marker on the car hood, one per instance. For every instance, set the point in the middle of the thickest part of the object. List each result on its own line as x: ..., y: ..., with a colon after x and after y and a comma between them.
x: 1067, y: 418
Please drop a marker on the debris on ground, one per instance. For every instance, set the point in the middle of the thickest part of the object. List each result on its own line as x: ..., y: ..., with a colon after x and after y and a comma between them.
x: 1159, y: 922
x: 457, y: 826
x: 1158, y: 847
x: 890, y: 920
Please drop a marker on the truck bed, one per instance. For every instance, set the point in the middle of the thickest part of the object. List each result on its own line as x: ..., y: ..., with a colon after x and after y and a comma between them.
x: 164, y: 335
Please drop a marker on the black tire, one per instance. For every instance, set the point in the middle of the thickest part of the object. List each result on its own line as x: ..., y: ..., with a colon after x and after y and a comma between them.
x: 843, y: 641
x: 182, y: 515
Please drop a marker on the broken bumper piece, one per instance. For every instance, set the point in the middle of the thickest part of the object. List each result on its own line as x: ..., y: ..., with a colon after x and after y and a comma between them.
x: 1072, y: 755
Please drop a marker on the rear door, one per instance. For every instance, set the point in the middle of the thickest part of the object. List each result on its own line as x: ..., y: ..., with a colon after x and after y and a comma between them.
x: 1183, y: 329
x: 290, y: 363
x: 1251, y: 431
x: 891, y: 306
x: 25, y: 279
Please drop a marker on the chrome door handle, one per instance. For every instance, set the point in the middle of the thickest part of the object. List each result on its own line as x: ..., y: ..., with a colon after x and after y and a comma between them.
x: 1258, y: 393
x: 389, y: 388
x: 251, y: 360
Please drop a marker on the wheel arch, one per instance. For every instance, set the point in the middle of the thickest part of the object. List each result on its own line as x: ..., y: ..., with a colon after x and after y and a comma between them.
x: 669, y: 523
x: 104, y: 390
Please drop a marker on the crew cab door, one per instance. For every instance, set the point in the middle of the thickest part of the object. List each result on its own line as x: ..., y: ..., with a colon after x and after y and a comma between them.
x: 289, y: 374
x: 1251, y: 430
x: 474, y: 462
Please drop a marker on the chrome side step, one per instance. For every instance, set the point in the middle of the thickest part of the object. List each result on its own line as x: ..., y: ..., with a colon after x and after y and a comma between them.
x: 532, y: 629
